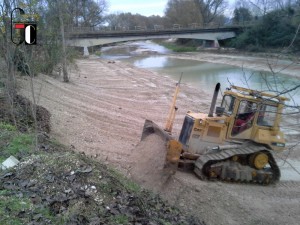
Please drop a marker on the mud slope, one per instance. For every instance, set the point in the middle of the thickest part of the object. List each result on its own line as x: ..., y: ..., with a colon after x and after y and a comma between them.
x: 102, y: 112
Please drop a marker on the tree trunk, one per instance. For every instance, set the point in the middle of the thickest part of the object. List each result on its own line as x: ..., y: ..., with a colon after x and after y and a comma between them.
x: 62, y: 31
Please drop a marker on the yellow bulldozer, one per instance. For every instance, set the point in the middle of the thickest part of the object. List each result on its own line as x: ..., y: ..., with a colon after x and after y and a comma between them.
x: 233, y: 144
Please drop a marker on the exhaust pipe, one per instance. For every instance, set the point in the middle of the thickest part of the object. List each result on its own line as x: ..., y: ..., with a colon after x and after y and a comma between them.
x: 214, y: 100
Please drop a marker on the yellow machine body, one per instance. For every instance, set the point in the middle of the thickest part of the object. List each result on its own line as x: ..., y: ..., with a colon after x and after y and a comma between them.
x: 244, y: 117
x: 235, y: 143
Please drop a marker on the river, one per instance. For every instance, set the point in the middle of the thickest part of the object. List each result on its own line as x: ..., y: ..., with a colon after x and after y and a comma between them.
x: 202, y: 75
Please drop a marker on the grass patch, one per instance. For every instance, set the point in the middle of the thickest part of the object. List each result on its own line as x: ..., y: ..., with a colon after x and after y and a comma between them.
x: 178, y: 48
x: 7, y: 127
x: 56, y: 186
x: 10, y: 207
x: 13, y: 142
x: 20, y: 143
x: 98, y: 53
x: 120, y: 219
x: 129, y: 185
x: 15, y: 210
x: 185, y: 45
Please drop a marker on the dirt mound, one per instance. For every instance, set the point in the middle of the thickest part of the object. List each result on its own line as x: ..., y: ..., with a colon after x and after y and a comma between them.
x: 22, y: 111
x: 149, y: 158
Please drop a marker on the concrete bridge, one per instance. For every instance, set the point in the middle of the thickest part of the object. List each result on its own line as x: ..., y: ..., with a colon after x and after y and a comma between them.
x: 94, y: 38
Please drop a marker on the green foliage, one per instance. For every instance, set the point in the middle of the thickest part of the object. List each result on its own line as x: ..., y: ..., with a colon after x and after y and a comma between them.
x: 98, y: 53
x: 7, y: 127
x: 103, y: 190
x: 275, y: 30
x: 21, y: 142
x: 179, y: 48
x: 120, y: 219
x: 164, y: 222
x: 129, y: 185
x: 241, y: 15
x: 11, y: 207
x: 13, y: 142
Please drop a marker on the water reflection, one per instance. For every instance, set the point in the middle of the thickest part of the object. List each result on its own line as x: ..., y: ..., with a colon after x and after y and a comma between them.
x: 152, y: 62
x: 149, y: 45
x: 204, y: 75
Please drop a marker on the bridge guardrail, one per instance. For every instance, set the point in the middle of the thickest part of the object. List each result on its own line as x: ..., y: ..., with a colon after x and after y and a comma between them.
x: 82, y: 31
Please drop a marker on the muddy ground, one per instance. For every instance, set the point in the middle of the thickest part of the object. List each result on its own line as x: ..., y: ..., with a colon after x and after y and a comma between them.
x: 101, y: 112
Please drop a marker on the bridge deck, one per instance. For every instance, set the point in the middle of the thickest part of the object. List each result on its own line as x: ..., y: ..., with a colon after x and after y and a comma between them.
x: 130, y: 33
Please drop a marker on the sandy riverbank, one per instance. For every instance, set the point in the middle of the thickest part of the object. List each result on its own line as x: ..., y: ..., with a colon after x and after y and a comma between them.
x: 101, y: 112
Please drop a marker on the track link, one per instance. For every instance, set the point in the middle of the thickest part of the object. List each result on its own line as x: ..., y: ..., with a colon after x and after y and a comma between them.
x: 221, y: 163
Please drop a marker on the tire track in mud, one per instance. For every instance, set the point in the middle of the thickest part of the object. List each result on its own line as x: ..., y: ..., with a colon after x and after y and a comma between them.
x: 226, y: 203
x: 100, y: 120
x: 95, y: 114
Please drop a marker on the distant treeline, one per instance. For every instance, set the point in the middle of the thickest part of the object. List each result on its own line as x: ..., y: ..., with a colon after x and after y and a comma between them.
x: 276, y: 29
x: 267, y: 24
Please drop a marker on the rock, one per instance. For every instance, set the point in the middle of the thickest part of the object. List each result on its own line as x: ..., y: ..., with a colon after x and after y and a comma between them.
x: 9, y: 163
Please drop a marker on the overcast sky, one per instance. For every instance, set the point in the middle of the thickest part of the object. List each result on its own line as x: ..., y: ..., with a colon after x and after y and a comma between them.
x: 143, y: 7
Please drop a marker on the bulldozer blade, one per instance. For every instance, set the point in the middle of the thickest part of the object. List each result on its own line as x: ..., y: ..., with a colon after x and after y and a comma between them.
x: 152, y: 128
x: 174, y: 149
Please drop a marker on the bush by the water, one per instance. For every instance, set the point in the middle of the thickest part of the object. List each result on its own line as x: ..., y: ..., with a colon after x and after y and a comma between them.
x: 276, y: 29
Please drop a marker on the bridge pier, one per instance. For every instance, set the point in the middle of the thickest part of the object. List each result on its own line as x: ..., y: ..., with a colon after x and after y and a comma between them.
x: 216, y: 44
x: 211, y: 43
x: 86, y: 51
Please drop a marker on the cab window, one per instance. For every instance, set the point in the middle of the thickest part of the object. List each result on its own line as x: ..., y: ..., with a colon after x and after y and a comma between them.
x: 228, y: 103
x: 267, y: 115
x: 245, y: 116
x: 247, y: 107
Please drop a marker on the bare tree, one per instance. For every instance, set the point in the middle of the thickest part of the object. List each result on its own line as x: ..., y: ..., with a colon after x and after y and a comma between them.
x: 261, y: 7
x: 16, y: 57
x: 7, y: 54
x: 93, y: 12
x: 210, y: 9
x: 241, y: 15
x: 60, y: 7
x: 86, y: 13
x: 183, y: 12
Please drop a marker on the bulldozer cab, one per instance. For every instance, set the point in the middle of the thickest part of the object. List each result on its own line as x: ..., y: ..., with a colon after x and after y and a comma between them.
x: 244, y: 115
x: 254, y: 115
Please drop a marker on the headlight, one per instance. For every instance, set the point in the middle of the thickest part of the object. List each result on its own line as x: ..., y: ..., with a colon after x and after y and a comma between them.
x: 278, y: 144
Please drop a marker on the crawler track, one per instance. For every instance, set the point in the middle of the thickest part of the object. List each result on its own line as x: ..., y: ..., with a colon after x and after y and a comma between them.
x: 224, y: 168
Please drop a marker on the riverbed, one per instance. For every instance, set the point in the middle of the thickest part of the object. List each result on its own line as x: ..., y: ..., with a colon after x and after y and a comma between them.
x: 204, y: 70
